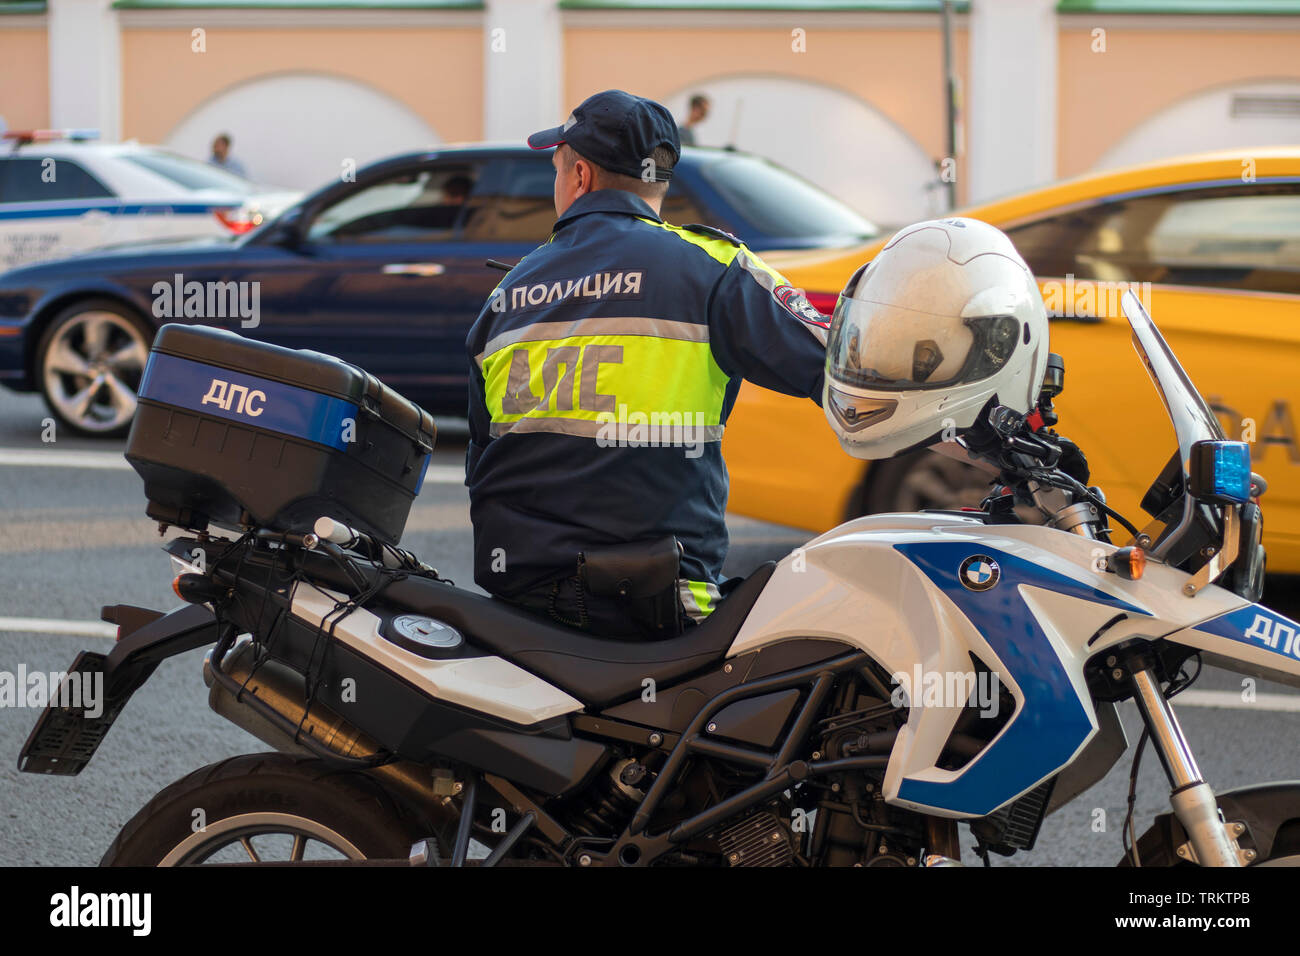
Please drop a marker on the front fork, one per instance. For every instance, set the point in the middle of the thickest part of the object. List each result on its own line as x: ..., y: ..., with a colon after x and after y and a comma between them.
x: 1211, y: 840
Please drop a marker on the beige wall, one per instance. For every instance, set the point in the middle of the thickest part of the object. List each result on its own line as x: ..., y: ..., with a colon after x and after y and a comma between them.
x: 896, y: 71
x: 1104, y: 96
x: 436, y: 73
x: 24, y: 76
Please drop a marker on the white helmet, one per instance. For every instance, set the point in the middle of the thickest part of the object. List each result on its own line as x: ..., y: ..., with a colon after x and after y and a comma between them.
x: 944, y: 319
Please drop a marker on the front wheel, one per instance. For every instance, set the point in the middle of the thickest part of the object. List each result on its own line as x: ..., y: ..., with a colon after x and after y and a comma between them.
x: 1156, y: 847
x: 918, y: 481
x: 265, y: 808
x: 925, y: 480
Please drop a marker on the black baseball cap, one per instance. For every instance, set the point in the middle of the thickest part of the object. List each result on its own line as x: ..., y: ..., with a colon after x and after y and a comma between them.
x: 616, y: 131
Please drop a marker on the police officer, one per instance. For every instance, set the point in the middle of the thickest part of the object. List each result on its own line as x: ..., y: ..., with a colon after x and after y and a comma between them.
x: 604, y: 367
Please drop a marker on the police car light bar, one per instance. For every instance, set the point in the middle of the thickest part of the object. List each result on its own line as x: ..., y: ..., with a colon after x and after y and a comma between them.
x: 24, y: 136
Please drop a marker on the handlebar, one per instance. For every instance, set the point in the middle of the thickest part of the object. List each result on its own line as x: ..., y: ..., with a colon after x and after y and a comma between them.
x: 336, y: 532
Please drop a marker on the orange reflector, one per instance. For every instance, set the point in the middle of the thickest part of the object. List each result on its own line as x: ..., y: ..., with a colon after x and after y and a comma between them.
x: 176, y: 586
x: 1137, y: 562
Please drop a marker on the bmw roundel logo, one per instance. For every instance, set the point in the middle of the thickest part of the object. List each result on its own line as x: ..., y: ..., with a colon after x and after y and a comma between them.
x: 979, y: 572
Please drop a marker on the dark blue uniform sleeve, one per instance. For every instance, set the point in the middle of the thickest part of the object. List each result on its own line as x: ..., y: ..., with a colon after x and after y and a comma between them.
x: 763, y: 329
x: 480, y: 421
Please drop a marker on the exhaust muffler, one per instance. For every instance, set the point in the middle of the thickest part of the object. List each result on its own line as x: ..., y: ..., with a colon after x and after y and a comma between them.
x: 284, y: 690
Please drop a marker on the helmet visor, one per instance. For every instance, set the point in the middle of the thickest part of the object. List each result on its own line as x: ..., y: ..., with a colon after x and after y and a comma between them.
x: 890, y: 347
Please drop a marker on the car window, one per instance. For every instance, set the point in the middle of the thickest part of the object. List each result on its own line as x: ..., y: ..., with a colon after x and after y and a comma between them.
x: 46, y: 179
x: 190, y: 173
x: 680, y: 207
x: 417, y: 204
x: 514, y: 202
x: 1229, y: 237
x: 775, y: 202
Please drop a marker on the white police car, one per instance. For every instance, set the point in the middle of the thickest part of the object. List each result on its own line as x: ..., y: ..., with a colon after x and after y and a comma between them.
x: 60, y: 194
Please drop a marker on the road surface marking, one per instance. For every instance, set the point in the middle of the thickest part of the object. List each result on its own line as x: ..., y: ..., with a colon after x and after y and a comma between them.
x: 1231, y: 700
x: 54, y: 458
x: 113, y: 461
x: 46, y: 625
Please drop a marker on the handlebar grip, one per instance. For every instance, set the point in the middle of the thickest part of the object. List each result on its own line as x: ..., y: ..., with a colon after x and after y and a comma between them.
x: 336, y: 532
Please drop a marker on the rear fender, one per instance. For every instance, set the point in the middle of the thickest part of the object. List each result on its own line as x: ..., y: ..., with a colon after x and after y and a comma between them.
x: 66, y: 738
x: 147, y: 638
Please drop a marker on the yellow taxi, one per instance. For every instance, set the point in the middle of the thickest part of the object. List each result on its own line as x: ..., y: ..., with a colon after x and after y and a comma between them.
x: 1211, y: 245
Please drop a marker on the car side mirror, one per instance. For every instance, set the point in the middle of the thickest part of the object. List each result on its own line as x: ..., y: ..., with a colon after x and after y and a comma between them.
x: 286, y: 231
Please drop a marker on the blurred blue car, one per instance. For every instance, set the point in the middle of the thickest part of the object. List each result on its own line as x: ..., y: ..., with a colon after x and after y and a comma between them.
x: 386, y: 270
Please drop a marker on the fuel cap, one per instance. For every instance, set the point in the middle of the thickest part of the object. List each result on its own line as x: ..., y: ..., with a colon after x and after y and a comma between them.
x: 424, y: 635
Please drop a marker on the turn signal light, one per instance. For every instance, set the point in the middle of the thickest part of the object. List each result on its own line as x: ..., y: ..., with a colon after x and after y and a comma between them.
x: 1128, y: 563
x: 197, y: 589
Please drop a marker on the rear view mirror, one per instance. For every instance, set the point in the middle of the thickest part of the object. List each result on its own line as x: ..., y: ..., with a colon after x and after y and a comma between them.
x: 286, y: 230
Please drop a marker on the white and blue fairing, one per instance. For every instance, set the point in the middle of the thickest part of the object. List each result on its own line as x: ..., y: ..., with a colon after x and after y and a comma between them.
x: 922, y: 593
x: 892, y: 585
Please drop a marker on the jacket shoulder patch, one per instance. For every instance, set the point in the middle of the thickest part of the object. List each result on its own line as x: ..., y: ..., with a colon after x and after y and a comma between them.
x: 713, y: 232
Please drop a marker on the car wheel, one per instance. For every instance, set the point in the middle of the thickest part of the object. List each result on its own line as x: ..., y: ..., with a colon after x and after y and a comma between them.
x: 89, y: 363
x: 919, y: 481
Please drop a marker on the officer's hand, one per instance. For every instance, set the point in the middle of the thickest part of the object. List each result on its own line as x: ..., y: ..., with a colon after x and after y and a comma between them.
x: 1073, y: 462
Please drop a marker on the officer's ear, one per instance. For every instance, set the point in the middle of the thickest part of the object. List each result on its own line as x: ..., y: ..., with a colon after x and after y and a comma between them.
x: 585, y: 173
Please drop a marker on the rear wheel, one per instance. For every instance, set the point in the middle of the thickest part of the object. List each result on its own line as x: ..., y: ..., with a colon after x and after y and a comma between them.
x: 263, y: 808
x: 89, y: 363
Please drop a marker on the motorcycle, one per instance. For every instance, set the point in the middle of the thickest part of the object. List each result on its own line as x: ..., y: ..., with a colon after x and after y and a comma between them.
x: 829, y: 712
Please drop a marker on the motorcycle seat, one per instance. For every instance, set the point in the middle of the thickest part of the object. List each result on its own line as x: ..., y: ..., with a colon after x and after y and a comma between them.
x: 597, y: 671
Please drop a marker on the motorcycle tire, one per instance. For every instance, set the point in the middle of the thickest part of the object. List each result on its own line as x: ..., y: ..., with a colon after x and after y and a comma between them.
x: 260, y: 807
x: 1156, y: 849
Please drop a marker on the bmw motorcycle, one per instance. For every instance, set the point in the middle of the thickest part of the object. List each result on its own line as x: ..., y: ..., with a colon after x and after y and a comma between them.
x: 415, y: 722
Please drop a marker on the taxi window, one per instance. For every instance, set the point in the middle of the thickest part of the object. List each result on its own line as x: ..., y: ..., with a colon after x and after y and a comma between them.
x: 47, y: 179
x: 1229, y: 237
x: 418, y: 204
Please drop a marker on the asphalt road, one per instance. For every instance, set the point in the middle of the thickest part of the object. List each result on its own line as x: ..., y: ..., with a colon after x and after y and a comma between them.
x: 73, y: 538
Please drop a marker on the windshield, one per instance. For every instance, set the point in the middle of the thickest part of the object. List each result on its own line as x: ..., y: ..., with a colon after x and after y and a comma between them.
x: 190, y: 173
x: 779, y: 203
x: 1192, y: 418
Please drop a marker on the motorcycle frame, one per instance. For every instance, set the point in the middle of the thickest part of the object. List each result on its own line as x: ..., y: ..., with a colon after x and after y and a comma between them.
x: 637, y: 847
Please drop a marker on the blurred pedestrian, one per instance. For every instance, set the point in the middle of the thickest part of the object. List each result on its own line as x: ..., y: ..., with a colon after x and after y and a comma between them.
x: 222, y: 159
x: 698, y: 112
